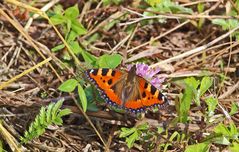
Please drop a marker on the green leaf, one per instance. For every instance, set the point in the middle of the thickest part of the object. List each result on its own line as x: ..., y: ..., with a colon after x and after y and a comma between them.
x: 131, y: 139
x: 56, y: 108
x: 190, y: 87
x: 64, y: 112
x: 185, y: 104
x: 126, y: 132
x: 230, y: 132
x: 58, y: 121
x: 153, y: 2
x: 212, y: 104
x: 234, y: 147
x: 76, y: 47
x: 57, y: 19
x: 48, y: 113
x: 233, y: 23
x: 58, y: 47
x: 71, y: 36
x: 43, y: 116
x: 205, y: 85
x: 234, y: 108
x: 58, y: 9
x: 221, y: 141
x: 68, y: 86
x: 68, y: 26
x: 92, y: 107
x: 166, y: 6
x: 174, y: 135
x: 160, y: 130
x: 82, y: 96
x: 234, y: 134
x: 201, y: 147
x: 40, y: 131
x: 144, y: 126
x: 222, y: 23
x: 72, y: 12
x: 200, y: 7
x: 88, y: 57
x: 222, y: 129
x: 192, y: 83
x: 109, y: 61
x: 108, y: 2
x: 78, y: 27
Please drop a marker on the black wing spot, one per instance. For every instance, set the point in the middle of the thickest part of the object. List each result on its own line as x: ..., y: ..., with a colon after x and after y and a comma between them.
x: 95, y: 71
x: 145, y: 85
x: 160, y: 96
x: 110, y: 81
x: 143, y: 94
x: 153, y: 89
x: 104, y: 72
x: 103, y: 81
x: 113, y: 73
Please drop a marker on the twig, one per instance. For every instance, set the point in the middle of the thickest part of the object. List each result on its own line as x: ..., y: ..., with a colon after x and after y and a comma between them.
x: 4, y: 84
x: 196, y: 50
x: 199, y: 1
x: 112, y: 17
x: 176, y: 16
x: 120, y: 43
x: 229, y: 91
x: 26, y: 35
x: 173, y: 29
x: 44, y: 9
x: 234, y: 5
x: 149, y: 52
x: 158, y: 37
x: 12, y: 142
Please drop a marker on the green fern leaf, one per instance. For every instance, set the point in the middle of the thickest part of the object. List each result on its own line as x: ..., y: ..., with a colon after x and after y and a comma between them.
x: 49, y: 113
x: 64, y: 112
x: 47, y: 116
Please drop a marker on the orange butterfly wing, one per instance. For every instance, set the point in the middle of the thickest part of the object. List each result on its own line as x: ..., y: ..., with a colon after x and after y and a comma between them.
x: 104, y: 79
x: 150, y: 96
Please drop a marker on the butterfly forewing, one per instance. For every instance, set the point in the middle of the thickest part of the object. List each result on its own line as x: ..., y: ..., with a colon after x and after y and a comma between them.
x: 104, y: 79
x: 151, y: 96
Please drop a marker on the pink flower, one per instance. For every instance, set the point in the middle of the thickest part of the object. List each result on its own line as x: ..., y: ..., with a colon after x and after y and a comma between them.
x: 148, y: 73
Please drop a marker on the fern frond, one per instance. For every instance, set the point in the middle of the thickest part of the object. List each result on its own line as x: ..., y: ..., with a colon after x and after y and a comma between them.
x: 51, y: 115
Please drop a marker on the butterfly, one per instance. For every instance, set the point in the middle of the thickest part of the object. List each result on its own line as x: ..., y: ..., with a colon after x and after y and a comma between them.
x: 125, y: 89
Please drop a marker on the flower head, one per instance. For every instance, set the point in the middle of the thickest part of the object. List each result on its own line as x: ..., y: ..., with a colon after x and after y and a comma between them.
x: 148, y: 73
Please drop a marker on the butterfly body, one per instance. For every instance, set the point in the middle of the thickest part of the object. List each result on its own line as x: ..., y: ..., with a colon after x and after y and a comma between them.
x: 125, y: 89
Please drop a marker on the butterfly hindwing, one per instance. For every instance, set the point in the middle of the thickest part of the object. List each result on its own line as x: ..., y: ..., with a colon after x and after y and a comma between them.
x: 150, y: 96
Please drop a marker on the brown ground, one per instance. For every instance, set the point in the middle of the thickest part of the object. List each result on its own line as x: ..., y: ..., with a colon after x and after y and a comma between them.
x: 21, y: 99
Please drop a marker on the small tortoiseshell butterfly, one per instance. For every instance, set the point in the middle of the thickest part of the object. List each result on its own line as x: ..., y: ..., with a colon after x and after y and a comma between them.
x: 126, y: 89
